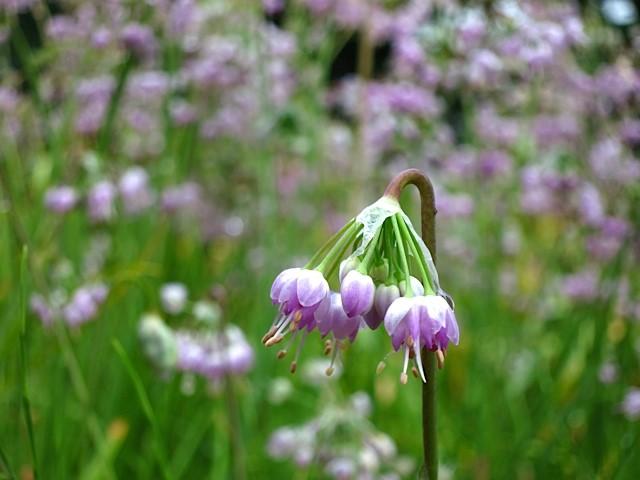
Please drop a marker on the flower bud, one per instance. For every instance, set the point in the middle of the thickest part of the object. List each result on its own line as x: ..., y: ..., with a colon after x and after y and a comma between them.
x: 347, y: 265
x: 385, y: 295
x: 357, y: 291
x: 380, y: 272
x: 416, y: 287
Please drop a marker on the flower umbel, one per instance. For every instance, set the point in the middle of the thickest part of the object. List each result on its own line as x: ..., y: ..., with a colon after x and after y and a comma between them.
x: 388, y: 275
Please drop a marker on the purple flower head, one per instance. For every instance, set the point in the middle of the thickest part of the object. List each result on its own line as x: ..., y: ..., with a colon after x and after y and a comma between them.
x: 298, y: 292
x: 423, y: 321
x: 101, y: 37
x: 84, y: 304
x: 493, y: 163
x: 273, y: 6
x: 455, y: 205
x: 63, y: 27
x: 61, y: 199
x: 357, y: 291
x: 134, y: 189
x: 139, y: 40
x: 582, y: 286
x: 185, y: 196
x: 590, y: 207
x: 98, y: 292
x: 100, y: 201
x: 341, y: 468
x: 631, y: 404
x: 608, y: 372
x: 408, y: 53
x: 350, y: 13
x: 471, y: 30
x: 331, y: 318
x: 181, y: 16
x: 282, y: 443
x: 41, y: 308
x: 615, y: 227
x: 319, y: 7
x: 16, y: 6
x: 630, y: 132
x: 182, y: 112
x: 214, y: 355
x: 239, y: 354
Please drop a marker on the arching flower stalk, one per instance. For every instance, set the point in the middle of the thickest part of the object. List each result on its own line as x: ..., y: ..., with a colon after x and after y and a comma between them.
x: 375, y: 270
x: 382, y: 272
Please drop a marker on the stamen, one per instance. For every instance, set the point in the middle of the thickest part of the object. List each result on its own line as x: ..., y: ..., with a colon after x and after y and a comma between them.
x: 410, y: 341
x: 285, y: 323
x: 419, y: 360
x: 414, y: 371
x: 273, y: 340
x: 328, y: 346
x: 298, y: 350
x: 403, y: 376
x: 440, y: 358
x: 293, y: 367
x: 297, y: 317
x: 336, y: 346
x: 281, y: 354
x: 381, y: 366
x: 269, y: 333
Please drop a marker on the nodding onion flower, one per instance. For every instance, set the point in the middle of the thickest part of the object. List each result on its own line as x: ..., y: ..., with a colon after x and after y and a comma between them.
x: 388, y: 276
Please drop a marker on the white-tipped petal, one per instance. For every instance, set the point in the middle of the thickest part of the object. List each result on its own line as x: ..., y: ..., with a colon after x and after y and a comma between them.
x: 396, y: 312
x: 312, y: 288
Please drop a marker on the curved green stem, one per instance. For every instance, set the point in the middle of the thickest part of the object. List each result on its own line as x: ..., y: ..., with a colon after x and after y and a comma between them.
x: 428, y: 213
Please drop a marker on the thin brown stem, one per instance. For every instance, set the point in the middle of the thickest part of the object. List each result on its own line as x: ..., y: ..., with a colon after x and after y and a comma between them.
x: 428, y: 225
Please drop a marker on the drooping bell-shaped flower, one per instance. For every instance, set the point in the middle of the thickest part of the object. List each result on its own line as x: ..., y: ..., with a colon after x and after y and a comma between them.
x: 332, y: 318
x: 417, y: 322
x: 357, y: 291
x: 298, y: 292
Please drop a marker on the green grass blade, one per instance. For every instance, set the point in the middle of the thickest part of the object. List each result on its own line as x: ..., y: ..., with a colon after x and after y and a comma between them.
x: 146, y: 407
x: 7, y: 470
x: 26, y: 405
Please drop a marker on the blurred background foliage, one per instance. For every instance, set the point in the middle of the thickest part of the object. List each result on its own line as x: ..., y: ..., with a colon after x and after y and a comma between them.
x: 204, y: 146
